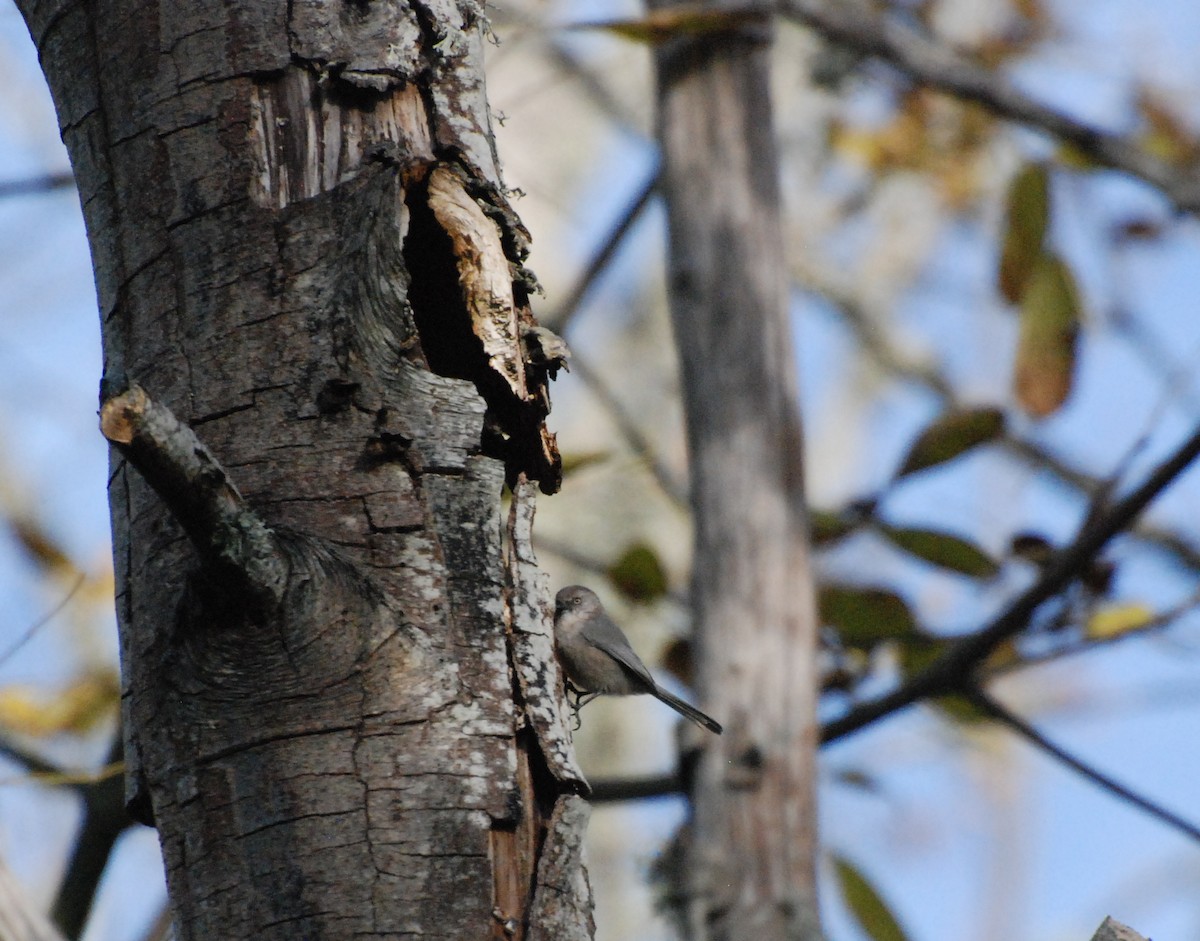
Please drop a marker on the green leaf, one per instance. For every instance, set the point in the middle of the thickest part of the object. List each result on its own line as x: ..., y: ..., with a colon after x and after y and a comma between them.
x: 960, y: 709
x: 638, y: 574
x: 863, y: 617
x: 865, y: 903
x: 951, y: 435
x: 1024, y: 230
x: 829, y: 526
x: 944, y: 550
x: 1045, y: 363
x: 918, y: 652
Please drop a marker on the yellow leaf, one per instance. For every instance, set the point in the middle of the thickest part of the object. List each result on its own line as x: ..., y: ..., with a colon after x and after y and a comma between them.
x: 42, y: 547
x: 1045, y: 362
x: 76, y: 708
x: 1117, y: 619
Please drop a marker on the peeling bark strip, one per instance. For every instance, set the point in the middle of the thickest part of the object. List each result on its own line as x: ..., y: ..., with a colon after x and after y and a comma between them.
x: 562, y: 901
x: 534, y: 661
x: 304, y: 254
x: 483, y: 274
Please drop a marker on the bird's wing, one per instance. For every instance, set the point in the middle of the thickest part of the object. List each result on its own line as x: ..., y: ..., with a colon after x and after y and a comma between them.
x: 605, y: 635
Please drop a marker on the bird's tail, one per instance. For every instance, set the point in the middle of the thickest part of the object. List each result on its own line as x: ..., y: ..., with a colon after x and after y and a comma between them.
x: 688, y: 711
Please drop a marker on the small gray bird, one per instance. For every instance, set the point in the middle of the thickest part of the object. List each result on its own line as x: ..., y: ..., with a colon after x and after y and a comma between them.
x: 598, y: 659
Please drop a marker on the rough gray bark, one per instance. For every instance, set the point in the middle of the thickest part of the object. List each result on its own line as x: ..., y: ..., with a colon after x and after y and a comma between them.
x: 313, y: 302
x: 752, y: 840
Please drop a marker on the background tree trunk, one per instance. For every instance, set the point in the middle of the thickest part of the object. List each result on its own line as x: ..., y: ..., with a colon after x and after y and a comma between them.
x: 754, y: 838
x: 303, y: 252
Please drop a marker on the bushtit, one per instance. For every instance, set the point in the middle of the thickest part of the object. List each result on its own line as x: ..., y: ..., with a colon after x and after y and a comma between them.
x: 598, y: 659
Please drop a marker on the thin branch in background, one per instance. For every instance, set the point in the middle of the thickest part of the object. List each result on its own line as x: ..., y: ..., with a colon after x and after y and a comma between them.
x: 929, y: 62
x: 20, y: 918
x: 1087, y: 644
x: 517, y: 27
x: 950, y: 671
x: 42, y: 621
x: 37, y: 185
x: 613, y: 790
x: 1001, y: 714
x: 1172, y: 390
x: 628, y: 429
x: 18, y: 754
x: 599, y: 93
x: 624, y: 789
x: 104, y: 819
x: 562, y: 316
x: 565, y: 312
x: 568, y: 553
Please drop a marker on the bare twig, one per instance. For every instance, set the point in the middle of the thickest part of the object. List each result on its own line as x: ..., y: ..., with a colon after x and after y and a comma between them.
x: 954, y: 668
x: 562, y: 316
x: 931, y: 63
x: 36, y: 185
x: 22, y: 756
x: 613, y: 790
x: 629, y: 430
x: 1087, y: 643
x: 566, y: 311
x: 43, y: 620
x: 104, y: 819
x: 1003, y: 715
x: 569, y: 553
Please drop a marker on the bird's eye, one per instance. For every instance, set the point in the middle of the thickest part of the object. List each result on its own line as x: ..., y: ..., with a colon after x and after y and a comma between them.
x: 576, y: 601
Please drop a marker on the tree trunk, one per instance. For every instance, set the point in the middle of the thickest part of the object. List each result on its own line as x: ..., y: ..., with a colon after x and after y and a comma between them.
x: 753, y: 836
x: 340, y: 705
